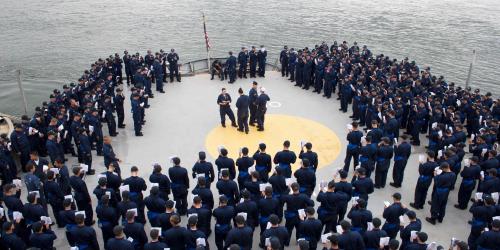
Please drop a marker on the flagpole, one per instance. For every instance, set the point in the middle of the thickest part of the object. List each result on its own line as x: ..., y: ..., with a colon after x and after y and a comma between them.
x: 206, y: 42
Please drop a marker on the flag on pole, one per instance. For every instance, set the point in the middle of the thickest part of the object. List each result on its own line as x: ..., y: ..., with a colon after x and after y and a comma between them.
x: 207, y: 42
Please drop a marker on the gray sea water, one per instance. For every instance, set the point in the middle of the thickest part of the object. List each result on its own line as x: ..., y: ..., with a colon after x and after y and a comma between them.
x: 53, y: 41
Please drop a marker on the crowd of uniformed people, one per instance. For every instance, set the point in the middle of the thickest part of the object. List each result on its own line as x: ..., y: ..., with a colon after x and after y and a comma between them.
x: 258, y: 194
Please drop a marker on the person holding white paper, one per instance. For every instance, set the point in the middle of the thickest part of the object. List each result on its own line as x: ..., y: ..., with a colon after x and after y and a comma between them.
x: 198, y: 237
x: 228, y: 188
x: 202, y: 166
x: 155, y: 242
x: 83, y: 236
x: 310, y: 155
x: 42, y: 237
x: 470, y: 174
x: 268, y: 206
x: 244, y: 162
x: 224, y: 162
x: 162, y: 180
x: 350, y: 240
x: 401, y: 154
x: 223, y: 216
x: 384, y: 155
x: 135, y: 230
x: 329, y: 202
x: 294, y: 202
x: 426, y: 171
x: 405, y: 231
x: 81, y: 194
x: 85, y: 150
x: 263, y: 162
x: 275, y: 231
x: 442, y: 184
x: 372, y: 238
x: 205, y: 193
x: 363, y: 186
x: 10, y: 240
x: 310, y: 228
x: 285, y: 159
x: 249, y: 207
x: 306, y: 178
x: 354, y: 139
x: 360, y: 217
x: 155, y: 205
x: 136, y: 186
x: 204, y: 216
x: 391, y: 215
x: 118, y: 240
x: 254, y: 186
x: 419, y: 242
x: 242, y: 235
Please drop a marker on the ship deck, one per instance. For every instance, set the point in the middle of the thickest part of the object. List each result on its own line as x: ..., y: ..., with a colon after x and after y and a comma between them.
x: 185, y: 120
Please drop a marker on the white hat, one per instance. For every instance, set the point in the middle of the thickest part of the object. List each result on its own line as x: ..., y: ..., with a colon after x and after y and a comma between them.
x: 262, y: 89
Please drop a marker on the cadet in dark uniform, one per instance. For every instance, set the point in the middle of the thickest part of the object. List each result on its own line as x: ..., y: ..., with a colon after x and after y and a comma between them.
x: 241, y: 235
x: 118, y: 242
x: 107, y: 217
x: 136, y: 186
x: 155, y: 205
x: 294, y: 202
x: 268, y: 206
x: 135, y: 231
x: 253, y: 61
x: 363, y: 186
x: 228, y: 188
x: 128, y: 69
x: 163, y: 219
x: 242, y: 105
x: 137, y: 111
x: 162, y: 180
x: 20, y: 145
x: 261, y: 57
x: 180, y: 185
x: 306, y: 178
x: 284, y: 61
x: 243, y: 162
x: 360, y: 216
x: 158, y: 71
x: 263, y: 162
x: 261, y: 108
x: 243, y: 60
x: 42, y: 237
x: 231, y: 67
x: 82, y: 196
x: 204, y: 216
x: 155, y: 243
x: 311, y: 156
x: 10, y: 240
x: 469, y: 175
x: 108, y: 152
x: 275, y: 231
x: 249, y: 207
x: 401, y: 154
x: 84, y: 236
x: 223, y: 216
x: 426, y: 171
x: 252, y: 99
x: 490, y: 239
x: 285, y: 159
x: 177, y: 237
x: 327, y: 210
x: 172, y: 59
x: 442, y: 184
x: 205, y: 193
x: 372, y: 238
x: 55, y: 195
x: 204, y: 167
x: 350, y: 240
x: 405, y: 232
x: 384, y: 155
x: 224, y: 101
x: 118, y: 100
x: 354, y: 139
x: 223, y: 162
x: 310, y: 228
x: 391, y: 215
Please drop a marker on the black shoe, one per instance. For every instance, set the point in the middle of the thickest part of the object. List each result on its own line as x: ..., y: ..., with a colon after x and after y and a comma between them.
x: 430, y: 220
x: 121, y: 126
x: 234, y: 125
x: 91, y: 172
x: 246, y: 132
x: 252, y: 124
x: 459, y: 207
x: 223, y: 125
x: 414, y: 206
x: 139, y: 134
x: 429, y: 202
x: 394, y: 185
x: 162, y: 91
x: 241, y: 130
x: 260, y: 129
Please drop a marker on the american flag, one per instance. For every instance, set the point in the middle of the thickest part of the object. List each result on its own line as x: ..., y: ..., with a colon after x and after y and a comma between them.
x: 207, y: 42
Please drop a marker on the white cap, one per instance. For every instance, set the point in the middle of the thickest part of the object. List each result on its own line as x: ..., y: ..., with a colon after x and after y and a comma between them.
x: 262, y: 89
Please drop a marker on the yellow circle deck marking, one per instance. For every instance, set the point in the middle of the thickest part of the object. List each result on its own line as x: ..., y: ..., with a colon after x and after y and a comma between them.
x: 278, y: 128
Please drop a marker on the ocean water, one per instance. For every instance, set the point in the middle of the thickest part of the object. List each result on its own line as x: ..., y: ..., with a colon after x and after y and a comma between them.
x: 52, y: 42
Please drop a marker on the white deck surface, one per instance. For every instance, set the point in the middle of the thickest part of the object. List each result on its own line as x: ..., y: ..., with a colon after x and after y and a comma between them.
x: 179, y: 120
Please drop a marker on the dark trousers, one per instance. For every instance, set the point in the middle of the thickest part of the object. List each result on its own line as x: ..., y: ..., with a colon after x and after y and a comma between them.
x: 110, y: 120
x: 232, y: 75
x: 262, y: 68
x: 464, y: 193
x: 120, y: 113
x: 351, y: 153
x: 137, y: 122
x: 181, y: 204
x: 381, y: 171
x: 438, y: 205
x: 398, y: 171
x: 253, y: 69
x: 226, y: 111
x: 219, y: 73
x: 159, y: 82
x: 253, y: 112
x: 329, y: 222
x: 415, y: 133
x: 89, y: 213
x: 421, y: 193
x: 292, y: 73
x: 242, y: 71
x: 243, y: 121
x: 219, y: 240
x: 174, y: 71
x: 290, y: 224
x: 284, y: 69
x: 56, y: 207
x: 261, y: 117
x: 129, y: 74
